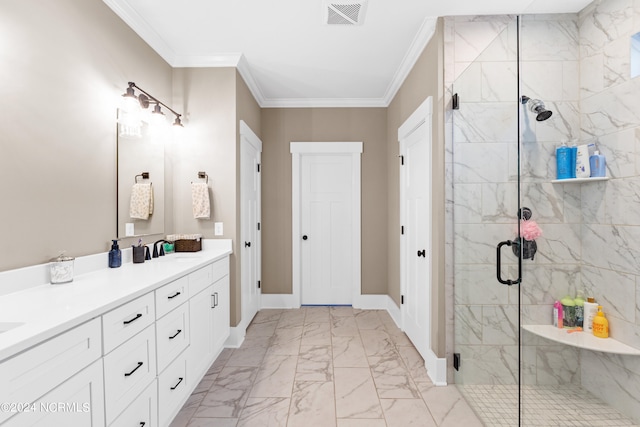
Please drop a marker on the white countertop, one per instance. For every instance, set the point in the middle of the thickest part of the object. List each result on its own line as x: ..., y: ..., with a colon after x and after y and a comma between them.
x: 48, y: 310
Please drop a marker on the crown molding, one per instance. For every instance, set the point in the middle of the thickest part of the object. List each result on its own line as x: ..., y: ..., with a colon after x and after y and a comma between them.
x: 426, y: 32
x: 140, y: 26
x: 324, y: 103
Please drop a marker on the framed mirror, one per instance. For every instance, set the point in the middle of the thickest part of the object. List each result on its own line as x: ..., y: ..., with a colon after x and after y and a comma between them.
x: 141, y: 186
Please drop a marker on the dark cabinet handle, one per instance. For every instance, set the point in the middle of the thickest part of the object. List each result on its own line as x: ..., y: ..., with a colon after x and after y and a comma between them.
x: 142, y: 424
x: 247, y: 244
x: 126, y: 322
x: 176, y: 334
x: 128, y: 374
x: 173, y: 296
x: 305, y: 237
x: 422, y: 253
x: 176, y: 386
x: 215, y: 299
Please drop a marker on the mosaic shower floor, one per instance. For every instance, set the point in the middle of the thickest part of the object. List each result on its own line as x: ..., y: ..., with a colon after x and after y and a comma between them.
x: 496, y: 405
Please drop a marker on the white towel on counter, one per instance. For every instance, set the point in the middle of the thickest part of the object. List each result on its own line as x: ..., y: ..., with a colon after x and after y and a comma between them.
x: 141, y: 205
x: 200, y: 200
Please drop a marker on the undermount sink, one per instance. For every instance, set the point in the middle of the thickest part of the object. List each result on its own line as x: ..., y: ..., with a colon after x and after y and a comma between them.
x: 7, y: 326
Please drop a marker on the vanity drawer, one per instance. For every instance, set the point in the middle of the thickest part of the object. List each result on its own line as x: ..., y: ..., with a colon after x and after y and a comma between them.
x: 173, y: 389
x: 28, y: 376
x: 128, y: 370
x: 171, y: 295
x: 143, y: 411
x: 122, y: 323
x: 200, y: 279
x: 172, y: 335
x: 220, y: 269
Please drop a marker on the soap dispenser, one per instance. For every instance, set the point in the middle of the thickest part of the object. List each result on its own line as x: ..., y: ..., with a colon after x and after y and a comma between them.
x: 115, y: 255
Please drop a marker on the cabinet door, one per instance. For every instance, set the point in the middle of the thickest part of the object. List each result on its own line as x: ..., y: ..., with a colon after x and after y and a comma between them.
x: 221, y: 314
x: 78, y: 402
x: 201, y: 332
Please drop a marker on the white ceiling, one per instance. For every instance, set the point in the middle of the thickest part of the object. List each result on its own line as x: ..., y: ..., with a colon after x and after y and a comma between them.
x: 290, y: 58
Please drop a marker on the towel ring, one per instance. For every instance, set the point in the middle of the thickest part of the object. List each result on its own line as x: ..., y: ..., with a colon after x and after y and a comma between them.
x: 203, y: 175
x: 143, y: 175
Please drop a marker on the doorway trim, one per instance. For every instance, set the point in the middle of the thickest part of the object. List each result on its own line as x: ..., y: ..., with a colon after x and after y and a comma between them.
x: 298, y: 149
x: 436, y: 367
x: 248, y: 136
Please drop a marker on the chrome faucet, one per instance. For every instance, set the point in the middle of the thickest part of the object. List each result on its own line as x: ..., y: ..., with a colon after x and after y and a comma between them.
x: 156, y: 254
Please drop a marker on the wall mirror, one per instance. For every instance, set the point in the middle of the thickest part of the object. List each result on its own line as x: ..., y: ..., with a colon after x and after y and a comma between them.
x: 141, y: 186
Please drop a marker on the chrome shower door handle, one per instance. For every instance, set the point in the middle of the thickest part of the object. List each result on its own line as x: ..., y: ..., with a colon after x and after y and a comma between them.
x: 498, y: 264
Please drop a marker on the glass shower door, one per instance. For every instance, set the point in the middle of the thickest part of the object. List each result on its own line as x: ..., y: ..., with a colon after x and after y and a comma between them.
x: 485, y: 177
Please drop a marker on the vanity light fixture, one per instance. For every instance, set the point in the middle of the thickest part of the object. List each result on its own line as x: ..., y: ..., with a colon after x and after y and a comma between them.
x: 144, y: 100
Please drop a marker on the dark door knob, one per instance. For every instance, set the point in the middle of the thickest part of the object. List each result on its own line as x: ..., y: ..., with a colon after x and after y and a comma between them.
x: 247, y: 244
x: 422, y: 253
x: 305, y: 237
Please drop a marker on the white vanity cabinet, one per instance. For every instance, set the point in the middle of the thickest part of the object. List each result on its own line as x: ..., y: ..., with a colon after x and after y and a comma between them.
x: 134, y: 363
x: 34, y: 382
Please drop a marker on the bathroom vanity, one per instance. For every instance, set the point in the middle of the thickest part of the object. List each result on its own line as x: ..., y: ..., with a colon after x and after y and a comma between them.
x: 116, y: 347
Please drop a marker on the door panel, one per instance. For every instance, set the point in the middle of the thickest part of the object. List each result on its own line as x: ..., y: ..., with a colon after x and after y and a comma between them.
x: 250, y: 217
x: 417, y: 238
x: 326, y: 256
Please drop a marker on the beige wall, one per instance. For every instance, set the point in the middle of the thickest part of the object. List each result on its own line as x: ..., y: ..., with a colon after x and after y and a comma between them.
x: 208, y: 96
x: 64, y: 66
x: 425, y: 80
x: 282, y: 126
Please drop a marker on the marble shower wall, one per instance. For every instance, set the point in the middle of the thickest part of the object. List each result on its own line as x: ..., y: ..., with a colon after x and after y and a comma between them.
x: 610, y: 117
x: 481, y: 66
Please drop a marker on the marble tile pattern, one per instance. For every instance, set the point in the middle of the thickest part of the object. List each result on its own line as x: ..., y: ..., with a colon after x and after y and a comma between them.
x: 343, y: 367
x: 578, y: 64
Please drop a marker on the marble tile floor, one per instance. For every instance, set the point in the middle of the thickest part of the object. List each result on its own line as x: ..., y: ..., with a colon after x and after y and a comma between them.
x: 323, y: 366
x: 543, y: 406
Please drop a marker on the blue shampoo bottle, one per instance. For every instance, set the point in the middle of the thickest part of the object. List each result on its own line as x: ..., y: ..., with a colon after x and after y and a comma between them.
x: 563, y: 162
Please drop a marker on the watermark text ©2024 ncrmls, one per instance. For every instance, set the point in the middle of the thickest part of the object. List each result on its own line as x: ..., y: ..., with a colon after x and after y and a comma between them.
x: 47, y: 407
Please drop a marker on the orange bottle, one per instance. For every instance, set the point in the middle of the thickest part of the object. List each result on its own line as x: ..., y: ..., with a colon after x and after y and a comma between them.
x: 600, y: 324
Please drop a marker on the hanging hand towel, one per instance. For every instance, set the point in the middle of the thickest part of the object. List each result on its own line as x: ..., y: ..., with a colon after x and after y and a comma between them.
x: 141, y: 201
x: 200, y: 200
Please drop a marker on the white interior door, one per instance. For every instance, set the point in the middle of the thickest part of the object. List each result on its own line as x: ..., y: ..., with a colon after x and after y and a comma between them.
x: 326, y: 208
x: 415, y: 199
x: 250, y: 244
x: 326, y: 227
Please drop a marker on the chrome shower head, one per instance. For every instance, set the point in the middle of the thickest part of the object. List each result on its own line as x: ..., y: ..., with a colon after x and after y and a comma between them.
x: 537, y: 106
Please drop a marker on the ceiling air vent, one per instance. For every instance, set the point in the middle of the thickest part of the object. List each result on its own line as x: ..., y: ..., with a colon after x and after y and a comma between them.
x: 344, y: 12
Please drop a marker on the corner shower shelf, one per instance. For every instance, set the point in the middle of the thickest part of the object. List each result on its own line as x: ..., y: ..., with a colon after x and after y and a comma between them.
x: 579, y: 180
x: 581, y: 340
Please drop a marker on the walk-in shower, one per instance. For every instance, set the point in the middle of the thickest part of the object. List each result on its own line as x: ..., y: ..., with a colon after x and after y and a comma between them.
x: 501, y: 160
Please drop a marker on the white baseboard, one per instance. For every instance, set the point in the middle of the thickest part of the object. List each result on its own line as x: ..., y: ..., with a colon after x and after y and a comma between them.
x: 436, y: 368
x: 370, y: 302
x: 278, y: 301
x: 236, y: 337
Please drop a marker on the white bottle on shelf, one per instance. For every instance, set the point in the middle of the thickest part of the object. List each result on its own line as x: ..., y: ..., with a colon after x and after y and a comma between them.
x: 590, y: 311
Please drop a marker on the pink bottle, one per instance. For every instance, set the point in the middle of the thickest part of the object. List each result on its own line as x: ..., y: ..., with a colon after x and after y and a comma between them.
x: 557, y: 314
